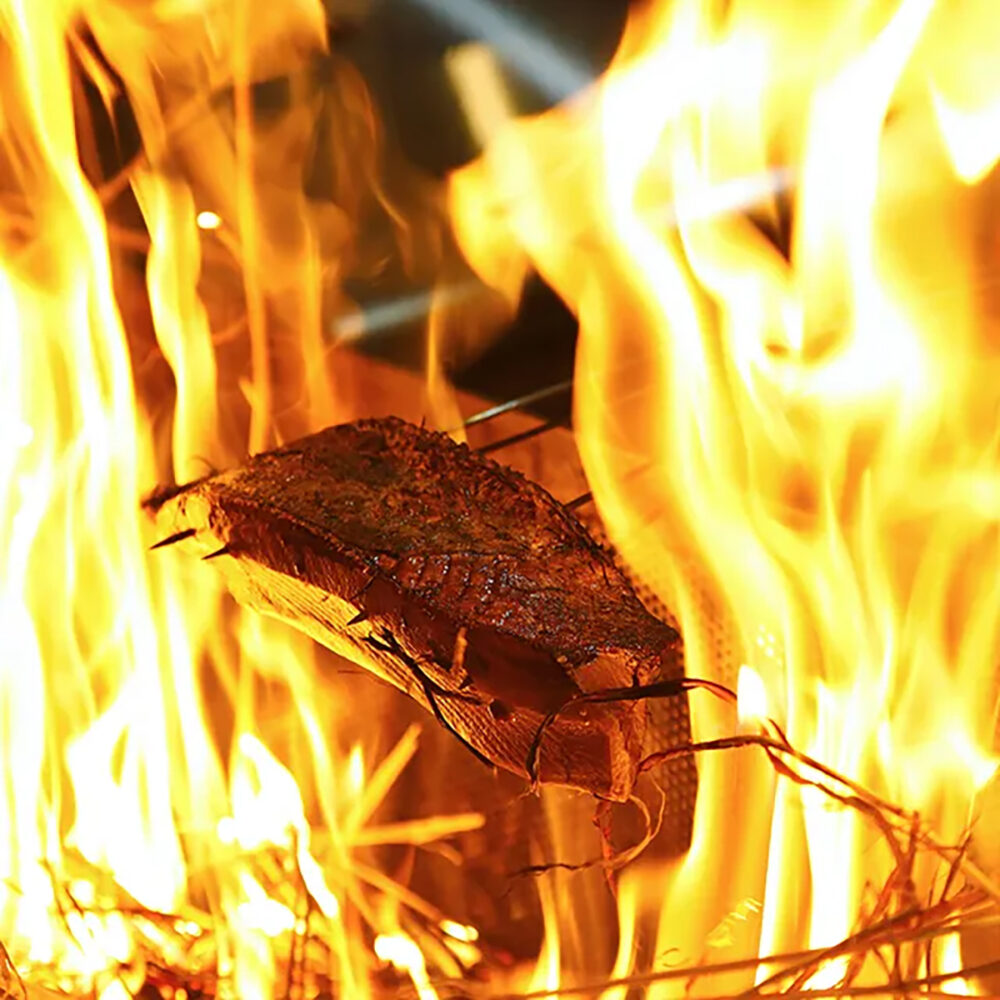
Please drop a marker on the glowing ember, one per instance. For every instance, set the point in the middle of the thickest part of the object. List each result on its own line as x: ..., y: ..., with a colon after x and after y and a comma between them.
x: 208, y: 220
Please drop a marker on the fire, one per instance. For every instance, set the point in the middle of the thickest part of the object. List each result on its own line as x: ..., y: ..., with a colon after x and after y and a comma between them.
x: 180, y: 791
x: 751, y: 696
x: 772, y: 223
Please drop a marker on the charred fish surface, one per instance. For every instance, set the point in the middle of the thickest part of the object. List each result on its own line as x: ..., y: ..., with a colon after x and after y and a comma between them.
x: 448, y: 575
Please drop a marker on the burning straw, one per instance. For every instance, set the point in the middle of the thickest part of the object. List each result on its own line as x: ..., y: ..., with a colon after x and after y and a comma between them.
x: 897, y: 937
x: 897, y: 933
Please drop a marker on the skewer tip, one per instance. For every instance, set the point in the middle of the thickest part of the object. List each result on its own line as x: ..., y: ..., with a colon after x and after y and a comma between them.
x: 177, y: 536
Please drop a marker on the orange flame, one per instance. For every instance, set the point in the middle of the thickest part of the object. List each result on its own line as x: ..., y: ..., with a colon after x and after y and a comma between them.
x: 149, y: 731
x: 773, y: 222
x: 770, y: 221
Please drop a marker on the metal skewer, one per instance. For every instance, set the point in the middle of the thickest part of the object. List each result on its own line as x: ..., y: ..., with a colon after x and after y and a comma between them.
x: 514, y: 404
x: 582, y: 500
x: 517, y: 438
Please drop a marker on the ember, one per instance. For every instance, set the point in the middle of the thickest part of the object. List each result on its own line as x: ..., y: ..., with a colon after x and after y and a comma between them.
x: 774, y: 226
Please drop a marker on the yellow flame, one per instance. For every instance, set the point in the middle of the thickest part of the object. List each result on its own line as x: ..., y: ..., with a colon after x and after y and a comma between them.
x: 768, y: 220
x: 461, y: 932
x: 161, y: 749
x: 546, y: 975
x: 751, y: 695
x: 628, y: 900
x: 478, y: 81
x: 402, y: 951
x: 951, y: 961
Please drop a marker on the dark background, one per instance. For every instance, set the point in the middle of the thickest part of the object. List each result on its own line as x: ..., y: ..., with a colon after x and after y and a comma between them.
x: 399, y: 46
